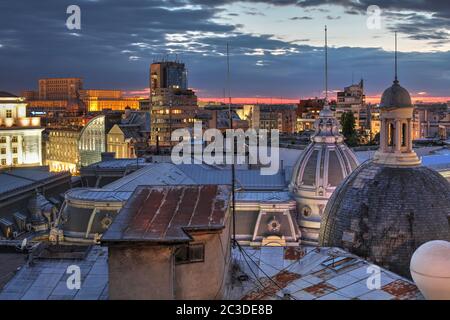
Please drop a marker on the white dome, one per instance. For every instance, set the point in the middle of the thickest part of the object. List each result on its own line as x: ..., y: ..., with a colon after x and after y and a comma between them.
x: 319, y: 170
x: 430, y: 269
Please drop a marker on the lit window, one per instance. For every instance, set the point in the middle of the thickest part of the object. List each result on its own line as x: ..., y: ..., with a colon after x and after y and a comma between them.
x: 190, y: 253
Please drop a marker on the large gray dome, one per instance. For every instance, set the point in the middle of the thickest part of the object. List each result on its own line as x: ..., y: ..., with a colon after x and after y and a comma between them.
x: 396, y: 97
x: 385, y: 213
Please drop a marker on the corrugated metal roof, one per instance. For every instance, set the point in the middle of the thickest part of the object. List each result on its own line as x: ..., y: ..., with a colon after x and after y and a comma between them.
x: 189, y: 174
x: 166, y: 213
x: 151, y: 174
x: 15, y: 179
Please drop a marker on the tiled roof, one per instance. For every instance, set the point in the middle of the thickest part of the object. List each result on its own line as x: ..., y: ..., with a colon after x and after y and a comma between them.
x: 307, y: 273
x: 167, y: 213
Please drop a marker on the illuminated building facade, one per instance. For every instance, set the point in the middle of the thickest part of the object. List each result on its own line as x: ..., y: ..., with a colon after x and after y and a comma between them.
x: 129, y: 139
x: 281, y: 117
x: 61, y: 152
x: 353, y: 99
x: 173, y: 106
x: 69, y: 148
x: 99, y: 100
x: 307, y: 113
x: 20, y: 136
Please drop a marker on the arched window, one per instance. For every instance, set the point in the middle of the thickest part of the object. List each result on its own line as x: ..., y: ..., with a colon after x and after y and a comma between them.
x: 403, y: 134
x: 391, y: 134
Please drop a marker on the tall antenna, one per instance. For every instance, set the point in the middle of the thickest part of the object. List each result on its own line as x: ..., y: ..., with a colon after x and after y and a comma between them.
x: 326, y: 63
x: 233, y: 173
x: 396, y: 66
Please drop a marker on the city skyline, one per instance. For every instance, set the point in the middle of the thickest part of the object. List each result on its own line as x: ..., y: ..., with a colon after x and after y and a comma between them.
x: 276, y: 50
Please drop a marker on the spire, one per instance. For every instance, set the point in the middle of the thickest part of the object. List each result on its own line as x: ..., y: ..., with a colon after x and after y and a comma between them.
x: 326, y: 63
x: 326, y: 111
x: 396, y: 65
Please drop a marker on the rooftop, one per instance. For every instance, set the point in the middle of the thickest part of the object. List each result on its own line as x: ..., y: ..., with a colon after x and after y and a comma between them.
x: 303, y: 273
x: 4, y: 94
x: 46, y: 279
x: 19, y: 178
x: 307, y: 273
x: 166, y: 214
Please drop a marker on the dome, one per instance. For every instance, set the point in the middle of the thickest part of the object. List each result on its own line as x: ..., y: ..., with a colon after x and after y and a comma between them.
x: 320, y: 169
x: 396, y: 97
x: 384, y: 213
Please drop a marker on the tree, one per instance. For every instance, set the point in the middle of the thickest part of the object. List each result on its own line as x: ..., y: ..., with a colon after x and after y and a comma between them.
x: 348, y: 128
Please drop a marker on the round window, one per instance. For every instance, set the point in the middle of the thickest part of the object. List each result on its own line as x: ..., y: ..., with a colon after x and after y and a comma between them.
x: 306, y: 211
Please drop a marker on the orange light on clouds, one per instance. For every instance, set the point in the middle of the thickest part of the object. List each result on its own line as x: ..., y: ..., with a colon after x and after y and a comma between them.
x: 251, y: 100
x: 374, y: 99
x: 420, y: 97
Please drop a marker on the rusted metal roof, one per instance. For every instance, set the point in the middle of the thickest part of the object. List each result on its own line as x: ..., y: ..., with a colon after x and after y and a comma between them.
x: 310, y: 273
x: 168, y: 213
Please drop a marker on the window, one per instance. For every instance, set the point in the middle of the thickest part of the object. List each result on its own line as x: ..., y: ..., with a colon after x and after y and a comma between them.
x: 15, y: 161
x: 14, y: 150
x: 3, y: 151
x: 3, y: 162
x: 403, y: 134
x: 14, y: 139
x: 190, y: 253
x: 2, y: 139
x: 391, y: 134
x: 9, y: 113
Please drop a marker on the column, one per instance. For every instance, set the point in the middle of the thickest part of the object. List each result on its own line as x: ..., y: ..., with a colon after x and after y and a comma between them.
x: 409, y: 136
x: 383, y: 135
x: 398, y: 135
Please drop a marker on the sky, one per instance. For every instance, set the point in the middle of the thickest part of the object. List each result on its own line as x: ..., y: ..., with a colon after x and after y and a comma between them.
x: 276, y: 47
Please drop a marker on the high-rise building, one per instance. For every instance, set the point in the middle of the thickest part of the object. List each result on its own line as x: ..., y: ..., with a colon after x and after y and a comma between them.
x: 20, y: 136
x: 167, y: 75
x: 173, y: 105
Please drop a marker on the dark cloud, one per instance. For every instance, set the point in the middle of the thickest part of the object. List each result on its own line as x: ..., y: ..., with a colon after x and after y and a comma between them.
x: 119, y: 39
x: 301, y: 18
